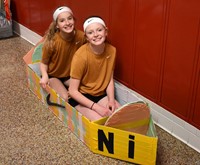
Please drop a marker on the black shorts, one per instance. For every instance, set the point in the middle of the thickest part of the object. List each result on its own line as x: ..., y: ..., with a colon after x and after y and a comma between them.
x: 96, y: 99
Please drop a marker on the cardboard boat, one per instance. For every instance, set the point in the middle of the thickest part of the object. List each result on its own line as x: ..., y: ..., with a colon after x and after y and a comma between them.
x: 113, y: 142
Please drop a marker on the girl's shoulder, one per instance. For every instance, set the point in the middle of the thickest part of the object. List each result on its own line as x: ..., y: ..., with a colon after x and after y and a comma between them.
x: 82, y: 49
x: 80, y: 37
x: 57, y: 38
x: 79, y: 33
x: 110, y: 47
x: 81, y: 54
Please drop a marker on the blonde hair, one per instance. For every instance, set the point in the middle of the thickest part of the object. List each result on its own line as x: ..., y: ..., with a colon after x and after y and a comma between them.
x: 49, y: 34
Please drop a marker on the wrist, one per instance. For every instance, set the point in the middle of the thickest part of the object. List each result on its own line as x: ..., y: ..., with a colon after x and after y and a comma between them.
x: 111, y: 101
x: 92, y: 106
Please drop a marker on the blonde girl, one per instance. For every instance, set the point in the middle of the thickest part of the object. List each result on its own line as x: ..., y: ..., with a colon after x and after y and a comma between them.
x: 61, y: 42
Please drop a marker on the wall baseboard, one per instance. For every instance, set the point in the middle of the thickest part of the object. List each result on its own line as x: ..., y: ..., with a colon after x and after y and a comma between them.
x: 26, y: 33
x: 177, y: 127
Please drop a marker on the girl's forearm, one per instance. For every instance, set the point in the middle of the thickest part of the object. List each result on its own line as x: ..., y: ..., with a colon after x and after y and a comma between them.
x: 110, y: 91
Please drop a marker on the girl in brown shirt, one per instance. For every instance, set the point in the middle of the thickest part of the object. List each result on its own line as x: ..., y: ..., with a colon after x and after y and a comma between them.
x: 91, y: 84
x: 61, y: 42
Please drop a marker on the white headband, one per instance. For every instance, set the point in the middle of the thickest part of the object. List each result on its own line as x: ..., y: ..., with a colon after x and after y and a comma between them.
x: 93, y: 20
x: 60, y: 10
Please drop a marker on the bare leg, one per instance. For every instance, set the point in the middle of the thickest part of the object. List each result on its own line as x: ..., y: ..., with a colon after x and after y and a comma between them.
x: 88, y: 113
x: 92, y: 115
x: 58, y: 86
x: 104, y: 102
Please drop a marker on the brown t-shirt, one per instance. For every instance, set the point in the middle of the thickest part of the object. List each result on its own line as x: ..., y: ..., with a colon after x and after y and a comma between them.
x: 59, y: 59
x: 93, y: 71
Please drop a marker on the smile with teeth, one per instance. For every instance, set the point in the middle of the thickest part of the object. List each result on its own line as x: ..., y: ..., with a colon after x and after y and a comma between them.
x: 96, y: 39
x: 67, y: 27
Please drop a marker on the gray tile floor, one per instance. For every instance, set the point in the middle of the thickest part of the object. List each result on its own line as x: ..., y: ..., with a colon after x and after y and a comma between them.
x: 31, y: 134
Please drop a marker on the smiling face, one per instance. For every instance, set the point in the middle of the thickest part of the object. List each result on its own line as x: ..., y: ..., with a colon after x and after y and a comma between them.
x: 65, y: 22
x: 96, y: 33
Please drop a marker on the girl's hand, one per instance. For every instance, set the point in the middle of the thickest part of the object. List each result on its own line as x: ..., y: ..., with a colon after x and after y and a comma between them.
x: 44, y: 81
x: 111, y: 106
x: 102, y: 110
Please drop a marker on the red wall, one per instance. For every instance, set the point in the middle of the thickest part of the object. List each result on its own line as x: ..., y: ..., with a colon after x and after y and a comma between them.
x: 157, y: 42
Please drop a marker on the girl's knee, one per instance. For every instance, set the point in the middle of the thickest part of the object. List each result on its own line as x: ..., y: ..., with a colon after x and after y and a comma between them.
x: 65, y: 97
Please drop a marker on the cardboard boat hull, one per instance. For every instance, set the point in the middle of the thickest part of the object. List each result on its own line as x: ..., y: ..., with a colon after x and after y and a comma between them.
x: 100, y: 139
